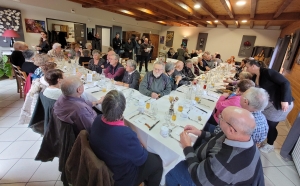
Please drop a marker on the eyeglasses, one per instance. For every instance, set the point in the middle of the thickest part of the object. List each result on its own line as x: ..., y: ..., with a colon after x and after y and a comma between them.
x: 221, y: 118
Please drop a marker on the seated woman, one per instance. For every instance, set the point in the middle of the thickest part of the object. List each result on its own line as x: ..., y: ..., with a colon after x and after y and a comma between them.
x: 171, y: 53
x: 28, y: 66
x: 74, y: 52
x: 226, y: 100
x: 17, y: 57
x: 233, y: 83
x: 196, y: 69
x: 96, y: 64
x: 43, y: 61
x: 124, y: 155
x: 56, y: 52
x: 85, y: 57
x: 54, y: 78
x: 131, y: 76
x: 169, y: 70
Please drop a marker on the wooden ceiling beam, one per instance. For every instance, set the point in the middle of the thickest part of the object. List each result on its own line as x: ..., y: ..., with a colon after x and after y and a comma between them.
x: 183, y: 23
x: 268, y: 25
x: 155, y: 10
x: 237, y: 24
x: 251, y: 24
x: 200, y: 23
x: 253, y: 5
x: 193, y: 23
x: 143, y: 13
x: 291, y: 16
x: 285, y: 25
x: 186, y: 8
x: 224, y: 24
x: 228, y: 8
x: 123, y: 2
x: 163, y: 6
x: 284, y: 5
x: 206, y: 8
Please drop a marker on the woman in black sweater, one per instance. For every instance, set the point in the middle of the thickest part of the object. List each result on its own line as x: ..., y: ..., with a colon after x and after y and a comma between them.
x: 43, y: 46
x: 280, y: 102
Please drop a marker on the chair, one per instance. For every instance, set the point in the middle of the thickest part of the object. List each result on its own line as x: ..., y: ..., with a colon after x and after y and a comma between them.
x: 84, y: 168
x: 140, y: 80
x: 85, y: 64
x: 14, y: 68
x: 21, y: 79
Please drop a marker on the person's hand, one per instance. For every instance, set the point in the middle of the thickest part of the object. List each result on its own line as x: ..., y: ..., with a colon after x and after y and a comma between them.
x: 102, y: 66
x: 130, y: 50
x: 195, y: 81
x: 192, y: 129
x: 80, y: 49
x: 207, y: 68
x: 284, y: 106
x: 100, y: 100
x: 226, y: 95
x: 185, y: 139
x: 154, y: 95
x: 178, y: 78
x: 118, y: 83
x: 38, y: 48
x: 227, y: 81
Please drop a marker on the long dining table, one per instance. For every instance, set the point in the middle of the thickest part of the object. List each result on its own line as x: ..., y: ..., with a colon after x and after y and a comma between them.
x: 139, y: 118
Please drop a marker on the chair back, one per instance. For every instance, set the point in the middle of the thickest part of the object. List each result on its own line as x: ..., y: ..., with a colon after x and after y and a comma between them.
x: 140, y: 80
x: 85, y: 64
x: 21, y: 79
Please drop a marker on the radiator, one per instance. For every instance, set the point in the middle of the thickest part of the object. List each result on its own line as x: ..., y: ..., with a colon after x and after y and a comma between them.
x: 296, y: 155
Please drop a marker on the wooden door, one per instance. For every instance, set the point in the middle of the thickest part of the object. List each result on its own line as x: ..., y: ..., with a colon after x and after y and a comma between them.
x: 80, y: 33
x: 155, y: 42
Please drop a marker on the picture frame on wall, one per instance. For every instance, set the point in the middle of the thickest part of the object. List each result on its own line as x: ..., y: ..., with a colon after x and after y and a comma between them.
x: 202, y: 40
x: 246, y: 46
x: 169, y: 38
x: 162, y: 39
x: 34, y: 26
x: 184, y: 42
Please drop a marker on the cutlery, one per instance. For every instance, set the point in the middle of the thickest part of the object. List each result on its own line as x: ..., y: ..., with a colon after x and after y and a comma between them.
x: 153, y: 125
x: 179, y: 91
x: 148, y: 99
x: 193, y: 120
x: 201, y: 109
x: 147, y: 125
x: 209, y: 99
x: 95, y: 91
x: 134, y: 115
x: 173, y: 137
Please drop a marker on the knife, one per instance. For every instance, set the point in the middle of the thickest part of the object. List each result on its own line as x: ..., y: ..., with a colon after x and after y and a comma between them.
x: 95, y: 91
x: 134, y: 115
x: 179, y: 91
x: 148, y: 99
x: 200, y: 109
x: 209, y: 99
x: 153, y: 125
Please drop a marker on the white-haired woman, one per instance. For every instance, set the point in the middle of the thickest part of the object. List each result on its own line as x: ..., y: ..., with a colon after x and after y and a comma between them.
x: 56, y: 52
x: 96, y: 64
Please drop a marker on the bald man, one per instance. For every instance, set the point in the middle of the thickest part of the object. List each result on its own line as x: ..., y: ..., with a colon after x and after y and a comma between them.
x: 106, y: 59
x: 229, y: 158
x: 72, y: 108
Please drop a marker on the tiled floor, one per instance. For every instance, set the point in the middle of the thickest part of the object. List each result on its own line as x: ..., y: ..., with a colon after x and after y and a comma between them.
x: 19, y: 146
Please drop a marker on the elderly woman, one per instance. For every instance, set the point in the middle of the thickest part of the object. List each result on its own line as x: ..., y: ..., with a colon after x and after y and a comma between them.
x: 17, y: 57
x: 75, y: 50
x: 242, y: 75
x: 85, y: 57
x: 124, y: 155
x: 171, y: 53
x: 131, y: 76
x: 281, y: 100
x: 226, y: 100
x: 169, y: 70
x: 96, y: 64
x: 43, y: 61
x: 195, y: 68
x: 56, y: 52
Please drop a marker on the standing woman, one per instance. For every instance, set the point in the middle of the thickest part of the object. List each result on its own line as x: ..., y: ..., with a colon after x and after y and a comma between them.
x: 281, y: 100
x: 138, y: 51
x: 43, y: 46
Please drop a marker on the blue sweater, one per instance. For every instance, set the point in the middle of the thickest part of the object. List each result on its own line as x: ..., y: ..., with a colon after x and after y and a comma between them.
x: 120, y: 149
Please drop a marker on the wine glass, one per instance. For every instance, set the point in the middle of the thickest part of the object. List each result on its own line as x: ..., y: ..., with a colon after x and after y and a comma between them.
x: 148, y: 105
x: 167, y: 119
x: 180, y: 107
x: 174, y: 117
x: 154, y: 110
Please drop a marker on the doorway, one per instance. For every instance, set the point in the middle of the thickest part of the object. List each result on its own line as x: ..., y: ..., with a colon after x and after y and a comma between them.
x: 105, y: 35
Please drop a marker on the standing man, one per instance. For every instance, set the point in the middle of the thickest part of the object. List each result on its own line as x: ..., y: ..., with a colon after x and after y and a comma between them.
x: 145, y: 49
x: 96, y: 43
x: 117, y: 44
x: 143, y: 38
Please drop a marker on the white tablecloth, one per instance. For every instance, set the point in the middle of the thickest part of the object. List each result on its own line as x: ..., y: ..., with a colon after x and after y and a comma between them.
x: 168, y: 149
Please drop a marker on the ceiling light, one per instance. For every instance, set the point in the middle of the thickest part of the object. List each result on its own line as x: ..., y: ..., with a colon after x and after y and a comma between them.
x: 209, y: 22
x: 216, y: 21
x: 240, y: 3
x: 244, y: 21
x: 197, y: 6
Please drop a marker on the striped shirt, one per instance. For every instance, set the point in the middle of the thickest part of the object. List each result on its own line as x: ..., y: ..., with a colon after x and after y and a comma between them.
x: 221, y: 161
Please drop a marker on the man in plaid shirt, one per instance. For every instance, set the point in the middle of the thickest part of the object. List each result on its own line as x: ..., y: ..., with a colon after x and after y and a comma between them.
x: 255, y: 100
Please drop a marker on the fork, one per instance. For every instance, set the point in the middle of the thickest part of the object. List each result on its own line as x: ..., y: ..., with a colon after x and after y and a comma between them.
x: 173, y: 137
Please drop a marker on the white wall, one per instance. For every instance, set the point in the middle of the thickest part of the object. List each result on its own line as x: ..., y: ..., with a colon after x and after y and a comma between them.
x: 226, y: 41
x: 61, y: 9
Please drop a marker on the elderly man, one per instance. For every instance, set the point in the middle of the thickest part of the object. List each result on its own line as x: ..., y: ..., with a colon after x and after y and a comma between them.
x: 72, y: 108
x: 179, y: 71
x: 131, y: 76
x: 145, y: 51
x: 229, y: 158
x: 204, y: 65
x: 17, y: 57
x: 155, y: 83
x: 115, y: 69
x: 188, y: 69
x: 56, y: 52
x: 255, y: 101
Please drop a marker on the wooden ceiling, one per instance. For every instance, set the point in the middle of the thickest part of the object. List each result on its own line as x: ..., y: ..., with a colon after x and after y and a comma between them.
x: 211, y: 12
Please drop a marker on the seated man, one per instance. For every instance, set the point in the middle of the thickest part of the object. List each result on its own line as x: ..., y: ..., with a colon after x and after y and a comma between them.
x: 73, y: 109
x: 229, y: 158
x: 155, y: 83
x: 203, y: 64
x: 255, y: 101
x: 131, y: 76
x: 179, y: 71
x: 115, y: 69
x: 119, y: 147
x: 106, y: 57
x: 187, y: 70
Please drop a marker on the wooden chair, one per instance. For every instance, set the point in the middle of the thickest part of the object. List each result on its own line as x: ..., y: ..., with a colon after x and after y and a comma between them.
x: 15, y: 71
x: 21, y: 79
x: 85, y: 64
